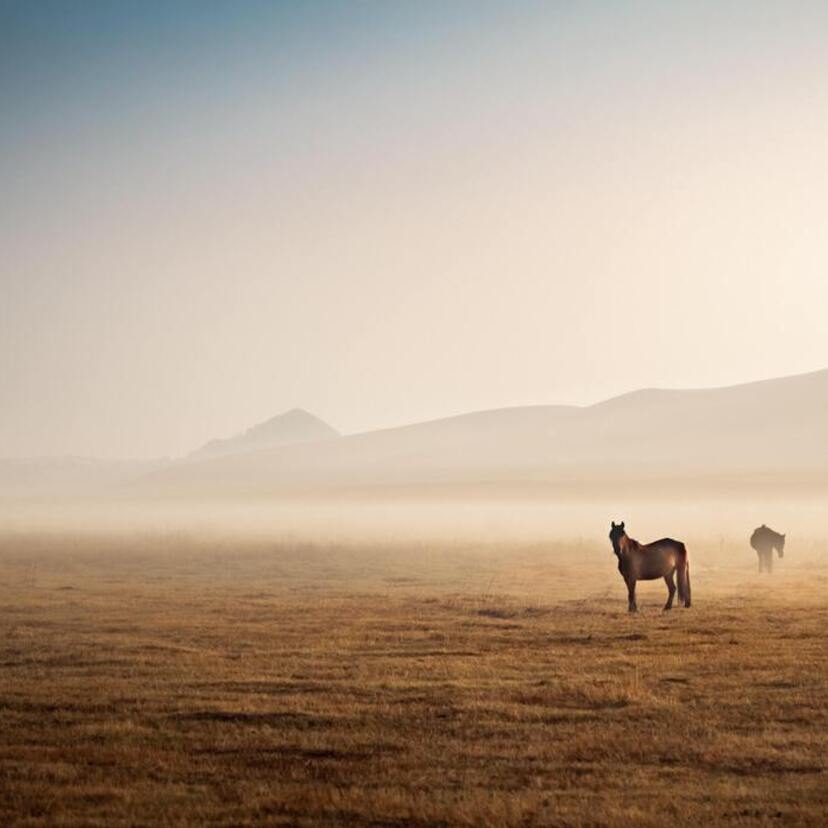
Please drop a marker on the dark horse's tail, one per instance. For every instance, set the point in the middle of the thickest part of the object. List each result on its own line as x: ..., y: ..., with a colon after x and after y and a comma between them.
x: 683, y: 576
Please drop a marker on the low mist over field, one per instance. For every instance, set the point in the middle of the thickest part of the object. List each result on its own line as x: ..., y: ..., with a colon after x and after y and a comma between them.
x: 709, y: 464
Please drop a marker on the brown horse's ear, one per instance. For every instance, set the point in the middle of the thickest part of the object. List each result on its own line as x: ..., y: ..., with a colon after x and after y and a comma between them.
x: 621, y: 525
x: 613, y: 525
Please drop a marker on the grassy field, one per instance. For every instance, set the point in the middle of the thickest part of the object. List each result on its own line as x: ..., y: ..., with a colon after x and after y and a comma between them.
x: 166, y: 679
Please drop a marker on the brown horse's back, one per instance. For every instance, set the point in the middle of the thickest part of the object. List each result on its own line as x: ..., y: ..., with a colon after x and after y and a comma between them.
x: 660, y: 558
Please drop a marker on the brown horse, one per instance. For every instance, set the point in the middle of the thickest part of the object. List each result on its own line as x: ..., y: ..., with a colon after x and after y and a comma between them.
x: 764, y: 540
x: 662, y: 559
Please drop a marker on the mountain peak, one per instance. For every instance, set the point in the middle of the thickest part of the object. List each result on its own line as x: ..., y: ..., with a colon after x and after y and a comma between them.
x: 293, y: 426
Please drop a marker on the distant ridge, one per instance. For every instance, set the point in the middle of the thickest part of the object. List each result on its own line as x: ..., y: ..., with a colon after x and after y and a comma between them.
x: 771, y: 432
x: 294, y: 426
x: 758, y: 435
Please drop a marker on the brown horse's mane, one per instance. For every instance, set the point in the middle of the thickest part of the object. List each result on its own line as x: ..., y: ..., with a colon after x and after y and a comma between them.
x: 631, y: 543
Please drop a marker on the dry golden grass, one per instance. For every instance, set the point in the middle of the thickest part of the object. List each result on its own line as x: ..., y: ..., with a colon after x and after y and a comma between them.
x: 166, y: 680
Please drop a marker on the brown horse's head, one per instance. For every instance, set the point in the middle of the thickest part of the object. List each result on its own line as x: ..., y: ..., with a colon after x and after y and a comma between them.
x: 616, y: 533
x: 780, y: 546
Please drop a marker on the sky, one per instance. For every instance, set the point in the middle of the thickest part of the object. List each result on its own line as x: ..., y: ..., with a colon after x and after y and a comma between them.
x: 385, y: 211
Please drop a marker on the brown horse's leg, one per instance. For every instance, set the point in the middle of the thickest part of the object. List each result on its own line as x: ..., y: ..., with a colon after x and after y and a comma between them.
x: 671, y: 586
x: 632, y: 606
x: 769, y: 560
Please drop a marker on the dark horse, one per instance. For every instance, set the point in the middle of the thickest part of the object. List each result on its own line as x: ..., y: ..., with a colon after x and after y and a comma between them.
x: 662, y: 559
x: 764, y: 540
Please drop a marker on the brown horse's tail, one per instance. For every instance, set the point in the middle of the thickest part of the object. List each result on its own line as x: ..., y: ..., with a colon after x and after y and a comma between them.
x: 683, y: 573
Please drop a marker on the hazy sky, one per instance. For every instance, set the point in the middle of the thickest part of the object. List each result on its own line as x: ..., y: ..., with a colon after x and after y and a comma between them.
x: 391, y: 211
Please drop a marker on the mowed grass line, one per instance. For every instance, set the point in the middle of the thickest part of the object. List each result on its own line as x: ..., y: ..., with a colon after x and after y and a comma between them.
x: 180, y: 682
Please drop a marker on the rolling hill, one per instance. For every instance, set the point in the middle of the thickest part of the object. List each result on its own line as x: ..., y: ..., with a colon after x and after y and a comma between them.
x: 774, y: 430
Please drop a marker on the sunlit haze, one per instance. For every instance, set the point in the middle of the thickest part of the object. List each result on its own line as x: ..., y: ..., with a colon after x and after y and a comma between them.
x: 390, y: 212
